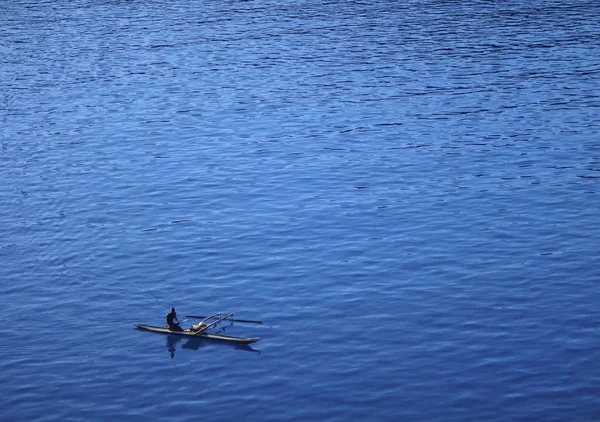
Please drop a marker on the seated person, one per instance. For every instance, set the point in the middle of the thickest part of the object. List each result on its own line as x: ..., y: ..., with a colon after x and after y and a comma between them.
x: 171, y: 318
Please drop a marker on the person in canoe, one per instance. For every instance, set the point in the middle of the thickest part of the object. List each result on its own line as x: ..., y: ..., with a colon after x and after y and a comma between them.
x: 171, y: 318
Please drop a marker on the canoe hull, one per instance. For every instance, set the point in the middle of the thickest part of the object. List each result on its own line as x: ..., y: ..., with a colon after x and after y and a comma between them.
x: 209, y: 336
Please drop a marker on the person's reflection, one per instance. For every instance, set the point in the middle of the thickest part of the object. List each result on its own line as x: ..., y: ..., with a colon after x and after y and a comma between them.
x: 172, y: 344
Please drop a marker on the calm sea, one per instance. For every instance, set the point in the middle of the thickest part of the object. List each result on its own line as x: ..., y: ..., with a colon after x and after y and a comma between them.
x: 406, y: 192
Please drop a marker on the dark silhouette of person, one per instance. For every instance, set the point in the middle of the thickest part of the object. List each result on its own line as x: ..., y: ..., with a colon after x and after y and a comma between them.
x: 171, y: 321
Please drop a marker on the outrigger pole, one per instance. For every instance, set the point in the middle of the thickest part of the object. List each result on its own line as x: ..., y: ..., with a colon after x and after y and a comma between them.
x: 252, y: 321
x: 212, y: 323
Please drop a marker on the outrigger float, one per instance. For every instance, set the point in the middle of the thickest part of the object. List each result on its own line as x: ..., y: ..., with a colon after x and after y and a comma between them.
x: 200, y: 330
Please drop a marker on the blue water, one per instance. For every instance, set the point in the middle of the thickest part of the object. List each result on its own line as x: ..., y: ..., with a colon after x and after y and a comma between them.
x: 406, y: 192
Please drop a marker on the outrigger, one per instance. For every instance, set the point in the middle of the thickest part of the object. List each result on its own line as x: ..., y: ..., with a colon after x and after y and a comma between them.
x: 200, y: 330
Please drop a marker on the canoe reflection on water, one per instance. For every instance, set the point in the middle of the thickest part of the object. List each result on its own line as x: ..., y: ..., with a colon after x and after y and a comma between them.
x: 197, y: 343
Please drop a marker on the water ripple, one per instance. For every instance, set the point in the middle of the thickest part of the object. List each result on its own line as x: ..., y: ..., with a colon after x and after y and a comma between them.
x: 405, y: 192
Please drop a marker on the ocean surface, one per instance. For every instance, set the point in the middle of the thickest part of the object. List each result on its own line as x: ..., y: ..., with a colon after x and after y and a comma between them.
x: 407, y: 193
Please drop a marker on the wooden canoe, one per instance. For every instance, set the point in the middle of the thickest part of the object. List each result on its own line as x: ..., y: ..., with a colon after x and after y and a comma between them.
x: 204, y: 335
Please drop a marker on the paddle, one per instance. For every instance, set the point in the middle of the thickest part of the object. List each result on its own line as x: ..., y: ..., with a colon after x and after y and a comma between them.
x: 212, y: 323
x: 180, y: 322
x: 252, y: 321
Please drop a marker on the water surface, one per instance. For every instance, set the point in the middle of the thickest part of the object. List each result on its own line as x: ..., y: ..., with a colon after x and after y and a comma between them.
x: 405, y: 192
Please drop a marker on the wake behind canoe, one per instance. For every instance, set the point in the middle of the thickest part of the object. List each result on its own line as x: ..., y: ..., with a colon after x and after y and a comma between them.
x: 204, y: 335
